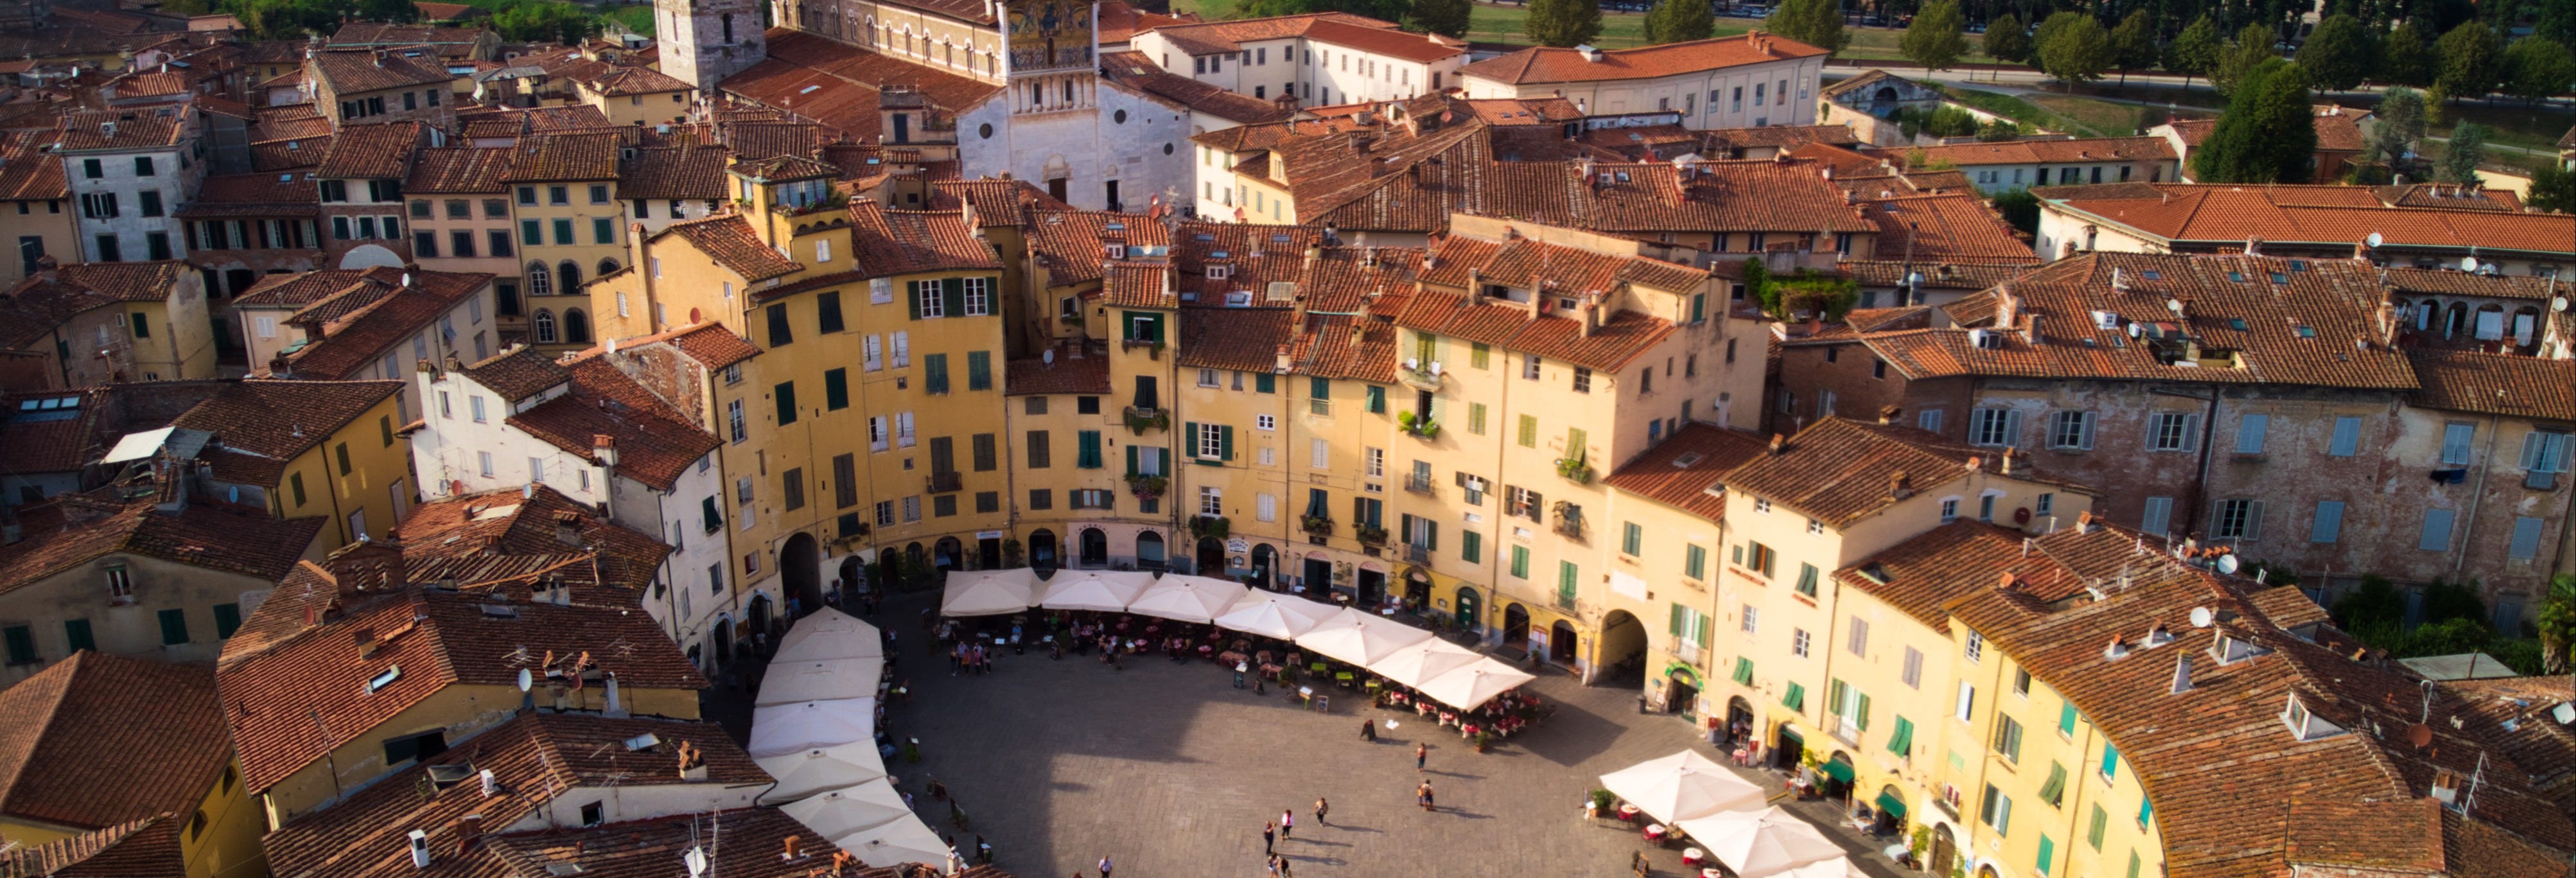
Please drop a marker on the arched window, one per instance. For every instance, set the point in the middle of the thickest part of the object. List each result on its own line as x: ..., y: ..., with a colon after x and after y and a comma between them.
x: 540, y: 281
x: 576, y: 326
x: 1094, y: 547
x: 607, y: 267
x: 570, y: 276
x: 1149, y: 549
x: 545, y: 323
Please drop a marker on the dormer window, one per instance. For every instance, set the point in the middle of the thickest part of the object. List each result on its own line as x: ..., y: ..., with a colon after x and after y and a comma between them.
x: 120, y: 586
x: 1220, y: 272
x: 2307, y: 726
x: 1117, y: 251
x: 2231, y: 649
x: 2159, y: 636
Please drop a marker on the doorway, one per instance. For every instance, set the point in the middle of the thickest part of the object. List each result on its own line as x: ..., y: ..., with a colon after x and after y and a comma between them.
x: 1945, y: 852
x: 1417, y: 590
x: 1560, y: 643
x: 800, y: 571
x: 988, y: 553
x: 944, y: 554
x: 724, y: 639
x: 1739, y: 715
x: 1042, y: 551
x: 1470, y: 615
x: 1114, y: 204
x: 1621, y: 650
x: 1371, y: 589
x: 1095, y: 548
x: 1319, y: 576
x: 1788, y: 749
x: 1149, y: 551
x: 1211, y: 557
x: 1055, y: 188
x: 1681, y: 692
x: 1516, y: 626
x: 1264, y: 560
x: 759, y: 614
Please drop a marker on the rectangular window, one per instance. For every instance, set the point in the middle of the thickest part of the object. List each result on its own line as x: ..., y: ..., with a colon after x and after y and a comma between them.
x: 1994, y: 426
x: 786, y: 397
x: 22, y: 644
x: 2526, y: 539
x: 2170, y: 431
x: 1807, y: 579
x: 2008, y: 738
x: 2545, y: 452
x: 1912, y: 674
x: 2158, y: 516
x: 1695, y: 561
x: 1087, y: 449
x: 2070, y: 430
x: 2250, y: 432
x: 563, y: 234
x: 934, y: 373
x: 2436, y: 533
x: 1858, y: 641
x: 2456, y: 443
x: 1039, y: 453
x: 836, y: 389
x: 1520, y: 562
x: 2238, y: 519
x: 2329, y: 522
x: 1529, y: 431
x: 827, y: 312
x: 2347, y: 437
x: 174, y: 627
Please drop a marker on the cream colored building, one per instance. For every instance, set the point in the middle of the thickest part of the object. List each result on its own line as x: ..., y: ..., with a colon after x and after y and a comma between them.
x: 1745, y: 81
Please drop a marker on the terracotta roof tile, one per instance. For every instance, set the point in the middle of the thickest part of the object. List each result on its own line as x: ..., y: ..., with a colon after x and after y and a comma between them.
x: 1357, y: 348
x: 1945, y: 228
x: 340, y: 343
x: 518, y: 373
x: 1683, y: 471
x: 126, y: 281
x: 891, y: 242
x: 1840, y: 471
x: 646, y: 848
x: 98, y: 740
x: 729, y: 240
x: 304, y: 288
x: 682, y: 172
x: 2026, y: 152
x: 1543, y: 65
x: 1072, y: 371
x: 291, y: 153
x: 1072, y: 245
x: 654, y: 443
x: 2450, y: 282
x: 144, y: 848
x: 39, y: 433
x: 32, y: 310
x: 381, y: 151
x: 350, y: 73
x: 622, y: 81
x: 1238, y: 339
x: 1135, y: 284
x: 566, y: 156
x: 460, y: 170
x: 245, y: 418
x: 254, y: 195
x: 1622, y: 336
x: 534, y: 757
x: 839, y: 84
x: 2339, y: 216
x: 24, y: 172
x: 2496, y: 384
x: 712, y: 345
x: 126, y: 129
x: 496, y: 541
x: 1135, y: 71
x: 240, y: 543
x: 1227, y: 36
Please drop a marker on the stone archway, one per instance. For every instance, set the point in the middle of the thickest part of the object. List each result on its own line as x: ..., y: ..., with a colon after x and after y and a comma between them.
x: 1560, y: 643
x: 946, y: 554
x: 1211, y: 557
x: 1043, y: 551
x: 1516, y: 620
x: 800, y: 572
x: 1471, y: 613
x: 1619, y: 652
x: 1094, y: 548
x: 1265, y: 563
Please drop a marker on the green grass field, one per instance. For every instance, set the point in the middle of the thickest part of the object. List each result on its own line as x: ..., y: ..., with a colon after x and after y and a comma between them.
x: 636, y: 18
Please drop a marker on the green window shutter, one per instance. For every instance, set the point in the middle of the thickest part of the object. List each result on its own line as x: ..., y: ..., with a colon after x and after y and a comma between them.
x: 22, y: 644
x: 707, y: 511
x: 2093, y: 833
x: 912, y: 297
x: 1864, y: 711
x: 1744, y: 671
x: 1520, y: 561
x: 227, y: 619
x: 1566, y: 580
x: 174, y: 627
x: 1190, y: 439
x: 1529, y: 431
x: 1158, y: 328
x: 1431, y: 536
x: 1225, y: 442
x: 1695, y: 562
x: 1471, y: 547
x: 1834, y: 690
x: 531, y: 233
x: 979, y: 370
x: 2110, y: 762
x: 1631, y: 538
x: 603, y: 230
x: 1319, y: 388
x: 1265, y: 383
x: 2054, y: 790
x: 1131, y: 458
x: 1699, y: 308
x: 2066, y: 717
x: 76, y: 633
x: 952, y: 293
x: 836, y: 389
x: 1901, y: 742
x: 786, y: 403
x: 1796, y: 698
x: 1576, y: 441
x: 1376, y: 400
x: 563, y: 235
x: 2047, y: 853
x: 1679, y: 618
x: 296, y: 482
x: 934, y: 373
x: 1703, y: 630
x: 1476, y: 418
x: 1088, y: 450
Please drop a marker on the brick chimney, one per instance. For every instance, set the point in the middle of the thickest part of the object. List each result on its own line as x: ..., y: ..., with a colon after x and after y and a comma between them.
x: 367, y: 567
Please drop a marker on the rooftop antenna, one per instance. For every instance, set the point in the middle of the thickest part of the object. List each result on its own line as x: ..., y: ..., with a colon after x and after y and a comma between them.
x: 2470, y: 800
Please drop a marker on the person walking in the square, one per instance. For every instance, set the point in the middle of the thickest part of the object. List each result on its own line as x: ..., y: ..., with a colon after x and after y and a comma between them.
x: 1422, y: 796
x: 1104, y: 867
x: 1287, y: 823
x: 1269, y: 837
x: 1421, y: 754
x: 1368, y: 731
x: 1321, y: 806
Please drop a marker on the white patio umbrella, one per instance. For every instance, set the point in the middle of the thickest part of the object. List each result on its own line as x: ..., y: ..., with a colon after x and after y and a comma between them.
x: 1838, y: 867
x: 820, y: 681
x: 1683, y: 786
x: 989, y: 592
x: 829, y: 634
x: 895, y: 843
x: 849, y: 810
x: 1418, y: 663
x: 1760, y: 843
x: 794, y: 728
x: 1470, y: 687
x: 1359, y: 638
x: 1105, y: 591
x: 1188, y: 598
x: 821, y: 770
x: 1273, y: 615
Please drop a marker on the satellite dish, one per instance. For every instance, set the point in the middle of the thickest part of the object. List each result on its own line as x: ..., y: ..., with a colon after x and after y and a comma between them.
x: 2558, y: 304
x: 696, y: 859
x: 2227, y: 564
x: 2174, y: 305
x: 1047, y: 356
x: 2201, y: 617
x: 2420, y: 735
x: 2374, y: 240
x: 2468, y: 263
x: 526, y: 680
x: 2564, y: 713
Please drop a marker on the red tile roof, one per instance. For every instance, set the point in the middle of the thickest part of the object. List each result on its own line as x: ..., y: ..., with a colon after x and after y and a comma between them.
x: 1622, y: 336
x: 560, y: 156
x: 654, y: 443
x: 2451, y: 282
x: 1840, y: 471
x: 32, y: 310
x: 838, y: 84
x: 518, y: 373
x: 37, y: 438
x: 343, y: 342
x: 25, y: 173
x: 144, y: 848
x: 1135, y: 71
x: 712, y: 345
x: 381, y: 151
x: 459, y: 170
x: 353, y: 73
x: 127, y: 281
x: 1072, y: 371
x: 624, y: 81
x: 1683, y: 471
x: 259, y: 425
x: 891, y: 242
x: 1538, y: 65
x: 729, y: 240
x: 1072, y: 245
x: 2340, y: 216
x: 2495, y: 384
x: 126, y: 129
x: 688, y: 171
x: 239, y: 543
x: 534, y: 758
x: 1238, y: 339
x: 97, y: 740
x: 496, y: 541
x: 646, y: 848
x: 2028, y: 152
x: 1943, y: 229
x: 254, y: 196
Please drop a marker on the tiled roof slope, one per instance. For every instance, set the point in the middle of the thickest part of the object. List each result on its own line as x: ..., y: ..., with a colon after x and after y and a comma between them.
x: 144, y: 848
x: 754, y: 839
x: 676, y: 172
x: 380, y: 151
x: 2494, y: 384
x: 253, y: 195
x: 1682, y: 471
x: 1543, y: 65
x: 273, y: 696
x: 575, y: 155
x: 729, y: 240
x: 242, y: 543
x: 838, y: 84
x: 1072, y: 244
x: 496, y: 541
x: 2535, y: 740
x: 2027, y: 152
x: 654, y: 444
x: 305, y: 288
x: 24, y: 173
x: 2223, y: 215
x: 518, y: 373
x: 2357, y: 799
x: 534, y: 758
x: 1945, y: 228
x: 459, y: 169
x: 1069, y: 373
x: 99, y: 740
x: 1239, y: 339
x: 358, y: 72
x: 2452, y: 282
x: 351, y: 339
x: 891, y: 242
x: 36, y: 439
x: 1621, y: 337
x: 1840, y: 471
x: 1134, y: 70
x: 2316, y: 326
x: 267, y: 423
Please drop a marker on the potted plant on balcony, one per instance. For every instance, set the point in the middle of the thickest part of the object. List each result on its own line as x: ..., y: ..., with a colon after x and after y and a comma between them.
x: 1316, y: 524
x: 1139, y: 422
x: 1216, y: 526
x: 1375, y: 536
x: 1417, y: 426
x: 1574, y: 469
x: 1147, y: 487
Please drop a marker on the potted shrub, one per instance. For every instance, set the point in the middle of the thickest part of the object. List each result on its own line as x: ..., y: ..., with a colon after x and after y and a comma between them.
x: 1574, y: 470
x: 1316, y: 524
x: 1604, y: 802
x: 1484, y: 741
x: 1375, y: 536
x: 1417, y: 426
x: 1147, y: 487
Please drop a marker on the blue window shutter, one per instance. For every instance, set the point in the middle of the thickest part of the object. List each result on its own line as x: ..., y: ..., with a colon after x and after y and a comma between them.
x: 912, y: 297
x: 2329, y: 526
x: 1225, y: 442
x: 2437, y: 531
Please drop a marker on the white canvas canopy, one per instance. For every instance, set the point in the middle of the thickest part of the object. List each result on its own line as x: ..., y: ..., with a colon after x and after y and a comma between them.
x: 846, y: 811
x: 1417, y: 664
x: 795, y: 728
x: 820, y: 681
x: 989, y: 592
x: 821, y: 770
x: 894, y: 844
x: 1838, y: 867
x: 1359, y: 638
x: 827, y: 633
x: 1188, y: 598
x: 1105, y: 591
x: 1683, y: 786
x: 1470, y: 687
x: 1757, y: 844
x: 1273, y: 615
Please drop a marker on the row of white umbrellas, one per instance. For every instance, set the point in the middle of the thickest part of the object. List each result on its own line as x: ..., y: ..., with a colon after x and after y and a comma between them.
x: 1407, y: 655
x: 813, y: 729
x: 1728, y: 817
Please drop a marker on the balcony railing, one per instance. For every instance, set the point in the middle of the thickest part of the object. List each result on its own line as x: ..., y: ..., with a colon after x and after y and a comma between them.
x: 942, y: 483
x: 1374, y: 536
x: 1568, y: 527
x: 1420, y: 379
x: 1419, y: 484
x: 1417, y: 554
x: 1687, y: 653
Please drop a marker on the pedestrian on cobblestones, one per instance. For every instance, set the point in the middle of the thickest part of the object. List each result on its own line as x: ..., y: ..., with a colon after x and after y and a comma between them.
x: 1274, y: 865
x: 1423, y: 795
x: 1104, y: 867
x: 1421, y: 754
x: 1321, y: 806
x: 1269, y: 837
x: 1287, y: 823
x: 1368, y: 731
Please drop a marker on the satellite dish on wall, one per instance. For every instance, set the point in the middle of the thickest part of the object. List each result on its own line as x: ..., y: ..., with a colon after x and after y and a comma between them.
x: 2374, y: 240
x: 527, y: 681
x: 2227, y: 564
x: 2558, y: 304
x: 2468, y: 263
x: 2201, y: 617
x: 2564, y: 713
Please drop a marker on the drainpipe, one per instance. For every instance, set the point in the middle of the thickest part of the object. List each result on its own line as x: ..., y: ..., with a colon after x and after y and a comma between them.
x: 2477, y: 499
x: 2200, y: 486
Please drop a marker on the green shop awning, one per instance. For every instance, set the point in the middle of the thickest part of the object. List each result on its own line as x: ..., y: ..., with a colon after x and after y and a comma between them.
x: 1838, y: 770
x: 1889, y: 804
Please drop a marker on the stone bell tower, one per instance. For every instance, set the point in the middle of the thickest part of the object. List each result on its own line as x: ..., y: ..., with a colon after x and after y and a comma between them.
x: 704, y: 41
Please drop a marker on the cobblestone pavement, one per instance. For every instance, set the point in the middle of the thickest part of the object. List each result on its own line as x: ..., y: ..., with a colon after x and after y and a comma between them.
x: 1171, y: 771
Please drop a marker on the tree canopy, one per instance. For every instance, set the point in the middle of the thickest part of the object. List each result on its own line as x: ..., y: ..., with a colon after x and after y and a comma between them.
x: 2405, y: 58
x: 2460, y: 156
x: 2194, y: 52
x: 2252, y: 47
x: 2471, y: 60
x: 1674, y: 21
x: 1563, y: 23
x: 2133, y: 43
x: 2337, y: 54
x: 2266, y: 135
x: 2074, y: 48
x: 2537, y: 69
x: 1817, y: 23
x: 1937, y: 36
x: 2006, y: 40
x: 2400, y: 123
x: 1447, y: 18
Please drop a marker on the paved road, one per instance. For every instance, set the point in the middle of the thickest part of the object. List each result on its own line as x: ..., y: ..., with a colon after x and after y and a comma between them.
x: 1171, y: 771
